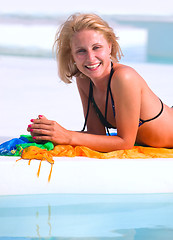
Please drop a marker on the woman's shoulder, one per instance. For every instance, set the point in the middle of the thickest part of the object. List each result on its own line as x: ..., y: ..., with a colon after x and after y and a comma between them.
x: 83, y: 83
x: 125, y: 74
x: 122, y: 70
x: 126, y: 78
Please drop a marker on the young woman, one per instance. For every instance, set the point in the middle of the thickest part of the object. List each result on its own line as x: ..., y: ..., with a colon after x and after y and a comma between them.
x: 113, y: 95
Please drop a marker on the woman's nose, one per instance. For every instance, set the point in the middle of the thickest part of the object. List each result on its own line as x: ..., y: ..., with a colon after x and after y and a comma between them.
x: 90, y: 56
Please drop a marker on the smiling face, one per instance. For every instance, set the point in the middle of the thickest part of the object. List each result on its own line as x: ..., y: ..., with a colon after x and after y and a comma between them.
x: 91, y: 53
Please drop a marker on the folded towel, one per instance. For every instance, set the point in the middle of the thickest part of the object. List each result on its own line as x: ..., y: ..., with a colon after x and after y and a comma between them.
x: 28, y: 149
x: 70, y: 151
x: 15, y: 146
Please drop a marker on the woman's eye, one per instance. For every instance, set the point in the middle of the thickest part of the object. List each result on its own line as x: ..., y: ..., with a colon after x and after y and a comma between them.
x: 96, y: 47
x: 81, y: 51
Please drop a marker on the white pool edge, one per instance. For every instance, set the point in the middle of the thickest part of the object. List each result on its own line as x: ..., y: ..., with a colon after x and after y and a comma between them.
x: 81, y: 175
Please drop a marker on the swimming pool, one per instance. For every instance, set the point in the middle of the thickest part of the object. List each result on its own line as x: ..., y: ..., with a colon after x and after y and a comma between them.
x: 70, y: 216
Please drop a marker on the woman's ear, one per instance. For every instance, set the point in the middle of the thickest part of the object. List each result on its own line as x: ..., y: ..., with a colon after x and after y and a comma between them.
x: 110, y: 48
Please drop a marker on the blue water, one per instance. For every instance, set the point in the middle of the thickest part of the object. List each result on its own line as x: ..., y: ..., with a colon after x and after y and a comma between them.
x: 87, y: 217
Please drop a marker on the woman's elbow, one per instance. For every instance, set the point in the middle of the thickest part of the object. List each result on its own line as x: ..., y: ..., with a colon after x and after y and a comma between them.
x: 127, y: 144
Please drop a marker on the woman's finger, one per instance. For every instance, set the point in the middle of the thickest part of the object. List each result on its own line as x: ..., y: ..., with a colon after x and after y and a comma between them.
x: 40, y: 138
x: 41, y: 117
x: 43, y: 132
x: 41, y: 121
x: 39, y: 126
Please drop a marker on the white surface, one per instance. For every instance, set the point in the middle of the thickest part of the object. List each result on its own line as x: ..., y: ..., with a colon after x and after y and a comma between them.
x: 29, y: 87
x: 154, y: 7
x: 84, y: 175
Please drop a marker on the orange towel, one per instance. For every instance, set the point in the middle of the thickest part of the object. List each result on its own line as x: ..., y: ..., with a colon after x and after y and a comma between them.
x: 70, y: 151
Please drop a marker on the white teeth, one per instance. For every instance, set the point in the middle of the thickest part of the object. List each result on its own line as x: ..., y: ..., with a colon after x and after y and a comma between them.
x: 93, y: 66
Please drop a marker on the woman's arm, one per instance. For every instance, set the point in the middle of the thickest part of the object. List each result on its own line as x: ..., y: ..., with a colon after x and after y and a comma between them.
x: 127, y: 93
x: 48, y: 130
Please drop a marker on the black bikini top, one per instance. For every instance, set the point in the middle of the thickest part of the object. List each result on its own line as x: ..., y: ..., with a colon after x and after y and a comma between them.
x: 91, y: 100
x: 102, y: 118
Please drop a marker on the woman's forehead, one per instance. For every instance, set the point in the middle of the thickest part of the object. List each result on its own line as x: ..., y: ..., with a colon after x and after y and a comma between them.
x: 88, y: 36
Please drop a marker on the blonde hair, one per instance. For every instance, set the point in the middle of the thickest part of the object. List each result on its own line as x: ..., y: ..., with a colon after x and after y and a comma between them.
x: 62, y: 45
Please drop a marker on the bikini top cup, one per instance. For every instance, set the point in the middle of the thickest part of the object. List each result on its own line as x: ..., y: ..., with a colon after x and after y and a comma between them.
x: 102, y: 118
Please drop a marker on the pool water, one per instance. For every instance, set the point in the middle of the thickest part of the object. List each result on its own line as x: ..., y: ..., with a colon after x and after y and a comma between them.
x: 87, y: 217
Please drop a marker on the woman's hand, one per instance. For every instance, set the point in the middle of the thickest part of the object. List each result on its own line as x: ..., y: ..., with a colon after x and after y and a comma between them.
x: 42, y: 129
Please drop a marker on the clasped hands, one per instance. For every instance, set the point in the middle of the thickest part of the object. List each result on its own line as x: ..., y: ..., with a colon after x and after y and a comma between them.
x: 42, y: 129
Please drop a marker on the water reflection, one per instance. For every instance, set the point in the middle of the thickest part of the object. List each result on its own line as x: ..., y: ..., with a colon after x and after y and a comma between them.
x: 87, y: 217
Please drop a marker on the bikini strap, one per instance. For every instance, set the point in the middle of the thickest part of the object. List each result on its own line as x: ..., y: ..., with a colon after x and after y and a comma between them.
x: 107, y: 96
x: 89, y: 100
x: 148, y: 120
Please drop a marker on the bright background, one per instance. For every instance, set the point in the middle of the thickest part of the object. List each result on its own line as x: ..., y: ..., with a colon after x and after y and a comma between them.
x: 147, y: 7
